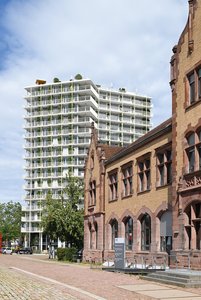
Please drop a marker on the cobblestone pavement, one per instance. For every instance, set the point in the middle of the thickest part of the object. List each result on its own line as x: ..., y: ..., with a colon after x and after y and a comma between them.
x: 36, y: 277
x: 18, y: 286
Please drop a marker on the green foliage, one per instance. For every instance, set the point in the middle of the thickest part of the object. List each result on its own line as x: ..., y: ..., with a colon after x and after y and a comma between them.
x: 61, y: 253
x: 78, y: 77
x: 56, y: 80
x: 10, y: 220
x: 68, y: 254
x: 61, y: 217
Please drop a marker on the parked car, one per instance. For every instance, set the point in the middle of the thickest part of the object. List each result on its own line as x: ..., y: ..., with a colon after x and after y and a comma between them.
x: 7, y: 250
x: 25, y: 251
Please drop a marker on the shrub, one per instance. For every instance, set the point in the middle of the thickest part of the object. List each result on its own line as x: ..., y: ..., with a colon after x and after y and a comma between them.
x: 56, y: 80
x: 61, y: 253
x: 68, y: 254
x: 78, y: 77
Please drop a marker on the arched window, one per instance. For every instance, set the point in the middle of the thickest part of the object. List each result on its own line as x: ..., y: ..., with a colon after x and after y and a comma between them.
x: 145, y: 232
x: 193, y: 226
x: 129, y: 233
x: 114, y: 227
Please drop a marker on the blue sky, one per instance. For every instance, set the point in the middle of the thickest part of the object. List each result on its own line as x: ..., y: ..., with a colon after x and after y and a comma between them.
x: 119, y: 43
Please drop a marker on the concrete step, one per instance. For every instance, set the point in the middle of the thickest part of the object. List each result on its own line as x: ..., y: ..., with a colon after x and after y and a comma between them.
x: 175, y: 278
x: 188, y: 274
x: 170, y: 282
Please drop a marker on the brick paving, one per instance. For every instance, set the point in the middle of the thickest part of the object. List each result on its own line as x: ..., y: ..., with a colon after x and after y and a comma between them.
x: 37, y: 277
x: 18, y: 286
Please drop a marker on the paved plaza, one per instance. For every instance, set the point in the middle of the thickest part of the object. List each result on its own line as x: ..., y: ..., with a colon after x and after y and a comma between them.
x: 35, y: 277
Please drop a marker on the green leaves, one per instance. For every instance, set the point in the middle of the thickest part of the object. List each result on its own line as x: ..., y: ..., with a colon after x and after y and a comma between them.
x: 61, y: 217
x: 10, y: 220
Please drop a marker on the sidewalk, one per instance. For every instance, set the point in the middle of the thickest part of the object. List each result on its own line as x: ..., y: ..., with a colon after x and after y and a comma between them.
x: 36, y: 277
x: 20, y: 287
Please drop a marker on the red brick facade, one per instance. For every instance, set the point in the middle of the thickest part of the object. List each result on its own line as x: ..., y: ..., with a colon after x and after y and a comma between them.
x: 150, y: 192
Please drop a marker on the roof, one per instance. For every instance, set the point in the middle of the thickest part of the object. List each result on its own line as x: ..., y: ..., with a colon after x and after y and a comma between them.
x: 142, y: 141
x: 110, y: 150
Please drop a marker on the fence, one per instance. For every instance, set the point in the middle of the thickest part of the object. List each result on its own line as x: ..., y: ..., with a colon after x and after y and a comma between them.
x: 191, y: 261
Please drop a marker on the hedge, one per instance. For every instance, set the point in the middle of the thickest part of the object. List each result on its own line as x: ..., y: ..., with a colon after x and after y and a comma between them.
x: 68, y: 254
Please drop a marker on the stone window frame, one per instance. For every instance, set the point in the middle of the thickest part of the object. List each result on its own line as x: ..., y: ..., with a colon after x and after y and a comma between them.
x: 113, y: 185
x: 163, y: 163
x: 144, y: 173
x: 127, y: 180
x: 192, y: 146
x: 193, y: 86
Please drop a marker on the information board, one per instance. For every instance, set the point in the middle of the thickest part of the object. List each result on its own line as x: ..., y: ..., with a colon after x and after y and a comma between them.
x: 119, y: 248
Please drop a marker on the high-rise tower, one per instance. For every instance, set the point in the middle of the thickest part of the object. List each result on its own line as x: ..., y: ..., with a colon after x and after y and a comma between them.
x: 57, y: 135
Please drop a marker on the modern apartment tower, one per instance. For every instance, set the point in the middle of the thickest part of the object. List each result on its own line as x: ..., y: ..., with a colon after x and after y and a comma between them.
x: 57, y: 135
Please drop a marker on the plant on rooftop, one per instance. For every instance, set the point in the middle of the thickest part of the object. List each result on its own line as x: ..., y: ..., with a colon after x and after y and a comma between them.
x: 78, y: 77
x: 56, y: 80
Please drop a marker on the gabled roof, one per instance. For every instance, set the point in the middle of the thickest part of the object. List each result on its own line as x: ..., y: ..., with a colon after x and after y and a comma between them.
x: 110, y: 150
x: 158, y: 131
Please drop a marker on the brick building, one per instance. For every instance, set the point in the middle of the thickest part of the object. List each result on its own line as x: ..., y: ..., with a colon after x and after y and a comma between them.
x: 150, y: 191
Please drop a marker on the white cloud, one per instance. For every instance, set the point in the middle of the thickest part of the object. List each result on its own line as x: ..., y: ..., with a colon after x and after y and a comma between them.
x: 126, y: 43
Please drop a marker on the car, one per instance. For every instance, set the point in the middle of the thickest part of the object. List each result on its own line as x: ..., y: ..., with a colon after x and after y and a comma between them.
x: 7, y: 250
x: 25, y: 250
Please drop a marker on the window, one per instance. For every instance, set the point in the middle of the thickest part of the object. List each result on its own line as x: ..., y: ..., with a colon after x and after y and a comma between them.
x: 164, y: 167
x: 193, y: 151
x: 127, y: 180
x: 144, y: 175
x: 92, y: 193
x: 199, y: 82
x: 113, y: 186
x: 193, y: 226
x: 145, y: 232
x: 166, y: 232
x: 194, y: 86
x: 191, y: 80
x: 114, y: 227
x: 96, y: 234
x: 90, y: 236
x: 129, y: 233
x: 92, y: 162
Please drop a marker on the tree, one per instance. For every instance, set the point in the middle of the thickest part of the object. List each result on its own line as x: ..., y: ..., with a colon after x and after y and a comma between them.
x: 78, y: 77
x: 10, y: 220
x: 61, y: 218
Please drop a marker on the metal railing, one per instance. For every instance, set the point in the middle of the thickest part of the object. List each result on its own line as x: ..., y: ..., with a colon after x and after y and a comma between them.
x: 179, y: 260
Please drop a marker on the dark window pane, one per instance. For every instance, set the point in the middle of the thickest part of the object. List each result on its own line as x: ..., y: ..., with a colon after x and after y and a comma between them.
x: 192, y: 88
x: 191, y: 159
x: 169, y: 155
x: 199, y: 151
x: 161, y: 158
x: 161, y: 172
x: 199, y: 135
x: 146, y: 232
x: 141, y: 166
x: 191, y: 139
x: 169, y: 173
x: 129, y: 233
